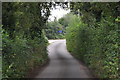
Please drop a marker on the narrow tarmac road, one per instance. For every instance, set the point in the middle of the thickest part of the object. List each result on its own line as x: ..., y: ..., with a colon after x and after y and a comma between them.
x: 62, y: 64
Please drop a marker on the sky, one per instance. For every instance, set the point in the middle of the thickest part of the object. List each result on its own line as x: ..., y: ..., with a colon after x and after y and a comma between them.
x: 58, y: 13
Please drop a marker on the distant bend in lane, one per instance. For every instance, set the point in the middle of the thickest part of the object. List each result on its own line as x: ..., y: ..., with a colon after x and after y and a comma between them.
x: 62, y: 64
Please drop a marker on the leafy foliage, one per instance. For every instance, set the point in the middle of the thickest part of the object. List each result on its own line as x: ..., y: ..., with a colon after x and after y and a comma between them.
x: 22, y: 55
x: 24, y: 44
x: 94, y: 37
x: 57, y: 29
x: 54, y: 30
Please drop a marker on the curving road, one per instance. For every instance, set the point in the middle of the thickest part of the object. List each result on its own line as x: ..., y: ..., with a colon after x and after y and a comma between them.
x: 62, y: 64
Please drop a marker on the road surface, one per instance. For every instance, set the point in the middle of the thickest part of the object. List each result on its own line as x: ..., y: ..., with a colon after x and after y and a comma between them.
x: 62, y: 64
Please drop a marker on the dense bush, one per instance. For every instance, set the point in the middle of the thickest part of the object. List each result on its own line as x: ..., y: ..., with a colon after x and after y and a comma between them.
x: 97, y: 47
x: 95, y: 42
x: 20, y: 55
x: 23, y: 41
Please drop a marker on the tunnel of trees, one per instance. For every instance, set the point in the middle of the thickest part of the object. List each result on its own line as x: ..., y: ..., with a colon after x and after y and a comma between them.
x: 91, y: 30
